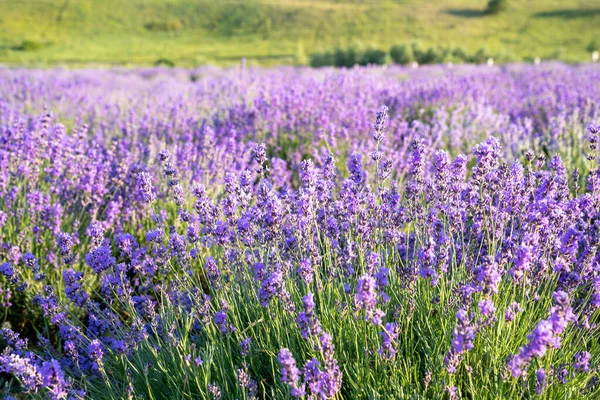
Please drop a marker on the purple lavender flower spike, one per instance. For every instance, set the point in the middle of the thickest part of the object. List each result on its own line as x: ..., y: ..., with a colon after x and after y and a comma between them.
x: 290, y: 374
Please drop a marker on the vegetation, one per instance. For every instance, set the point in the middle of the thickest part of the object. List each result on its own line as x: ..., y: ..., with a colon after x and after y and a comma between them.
x: 495, y: 6
x: 280, y: 234
x: 266, y: 32
x: 403, y: 54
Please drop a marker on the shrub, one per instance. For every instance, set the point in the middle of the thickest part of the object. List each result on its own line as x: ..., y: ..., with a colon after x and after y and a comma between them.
x: 459, y: 54
x: 495, y: 6
x: 170, y: 25
x: 429, y: 56
x: 373, y: 56
x: 346, y: 57
x: 401, y: 54
x: 29, y: 45
x: 479, y: 57
x: 164, y: 62
x: 322, y: 59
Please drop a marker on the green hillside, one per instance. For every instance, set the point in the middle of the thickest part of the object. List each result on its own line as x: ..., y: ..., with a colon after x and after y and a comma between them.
x: 194, y: 32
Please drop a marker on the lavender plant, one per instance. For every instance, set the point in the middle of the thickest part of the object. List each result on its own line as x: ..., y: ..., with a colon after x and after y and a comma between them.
x: 240, y: 237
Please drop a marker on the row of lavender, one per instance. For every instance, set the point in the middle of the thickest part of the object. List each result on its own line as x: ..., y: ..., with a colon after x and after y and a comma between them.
x: 275, y: 233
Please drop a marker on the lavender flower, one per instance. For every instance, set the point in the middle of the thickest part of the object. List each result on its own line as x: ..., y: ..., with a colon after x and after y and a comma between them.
x: 13, y: 339
x: 245, y: 347
x: 290, y: 374
x: 54, y: 380
x: 488, y: 275
x: 366, y: 299
x: 100, y: 259
x: 380, y: 124
x: 389, y: 335
x: 221, y: 322
x: 212, y: 270
x: 7, y: 270
x: 511, y: 311
x: 486, y: 307
x: 540, y: 381
x: 144, y: 181
x: 546, y: 334
x: 73, y: 288
x: 306, y: 271
x: 330, y: 381
x: 215, y: 391
x: 462, y: 340
x: 307, y: 320
x: 581, y: 361
x: 24, y: 369
x: 95, y: 353
x: 272, y: 286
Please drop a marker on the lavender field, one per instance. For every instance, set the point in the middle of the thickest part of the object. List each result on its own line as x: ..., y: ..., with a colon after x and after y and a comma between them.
x: 392, y: 233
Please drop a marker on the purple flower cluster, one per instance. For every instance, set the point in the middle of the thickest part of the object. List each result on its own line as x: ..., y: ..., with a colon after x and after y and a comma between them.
x: 273, y: 286
x: 100, y: 259
x: 462, y: 340
x: 221, y: 322
x: 144, y: 181
x: 290, y: 374
x: 581, y: 361
x: 321, y: 383
x: 73, y: 287
x: 366, y: 299
x: 389, y: 336
x: 307, y: 320
x: 35, y: 375
x: 545, y: 335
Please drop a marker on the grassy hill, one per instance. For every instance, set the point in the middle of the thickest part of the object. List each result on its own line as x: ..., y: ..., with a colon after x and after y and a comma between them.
x: 194, y: 32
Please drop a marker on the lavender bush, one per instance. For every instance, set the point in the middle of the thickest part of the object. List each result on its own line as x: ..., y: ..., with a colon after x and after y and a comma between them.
x: 310, y: 234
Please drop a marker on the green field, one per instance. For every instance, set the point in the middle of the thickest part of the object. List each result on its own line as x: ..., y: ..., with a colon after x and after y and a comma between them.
x: 267, y: 32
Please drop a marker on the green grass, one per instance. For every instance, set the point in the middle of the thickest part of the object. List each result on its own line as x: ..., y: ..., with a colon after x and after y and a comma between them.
x: 195, y: 32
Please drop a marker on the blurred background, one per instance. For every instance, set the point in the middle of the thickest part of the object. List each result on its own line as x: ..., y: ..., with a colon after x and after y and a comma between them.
x: 191, y: 33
